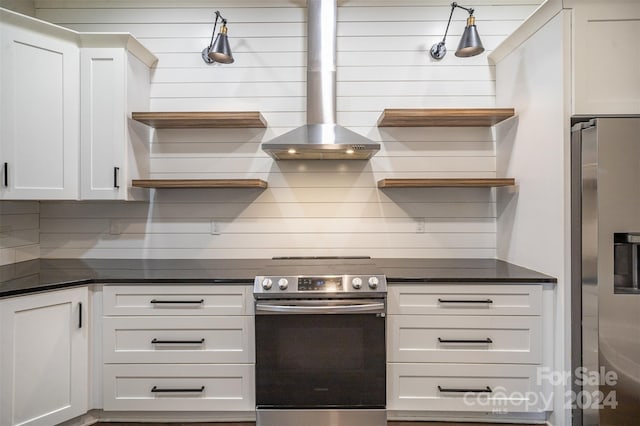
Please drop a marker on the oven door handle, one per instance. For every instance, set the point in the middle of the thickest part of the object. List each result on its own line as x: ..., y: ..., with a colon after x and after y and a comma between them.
x: 359, y: 308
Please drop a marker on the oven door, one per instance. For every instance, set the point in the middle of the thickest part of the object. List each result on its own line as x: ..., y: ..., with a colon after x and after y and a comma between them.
x: 320, y: 354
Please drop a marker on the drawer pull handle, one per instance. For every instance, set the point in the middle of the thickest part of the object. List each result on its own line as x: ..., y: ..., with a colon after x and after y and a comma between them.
x: 464, y: 301
x: 483, y: 341
x: 178, y: 342
x: 188, y: 302
x: 454, y: 390
x: 156, y: 389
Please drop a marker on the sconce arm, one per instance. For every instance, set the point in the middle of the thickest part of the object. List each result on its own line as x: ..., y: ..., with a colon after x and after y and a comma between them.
x: 453, y: 7
x: 215, y: 24
x: 468, y: 9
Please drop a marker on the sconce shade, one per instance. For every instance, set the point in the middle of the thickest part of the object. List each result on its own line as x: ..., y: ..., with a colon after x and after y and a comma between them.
x: 470, y: 44
x: 220, y: 51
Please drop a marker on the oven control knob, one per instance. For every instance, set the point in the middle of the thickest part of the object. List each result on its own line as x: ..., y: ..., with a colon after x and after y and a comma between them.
x: 373, y: 282
x: 356, y: 283
x: 283, y: 283
x: 267, y: 283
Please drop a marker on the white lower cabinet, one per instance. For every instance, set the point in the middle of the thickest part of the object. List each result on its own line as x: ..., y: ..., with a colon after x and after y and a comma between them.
x: 44, y: 358
x: 178, y: 348
x: 176, y: 300
x: 215, y: 339
x: 179, y: 387
x: 466, y: 348
x: 465, y: 339
x: 465, y: 299
x: 464, y: 387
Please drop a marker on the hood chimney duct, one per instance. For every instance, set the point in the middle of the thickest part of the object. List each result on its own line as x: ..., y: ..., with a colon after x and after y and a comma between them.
x: 321, y: 138
x: 321, y: 61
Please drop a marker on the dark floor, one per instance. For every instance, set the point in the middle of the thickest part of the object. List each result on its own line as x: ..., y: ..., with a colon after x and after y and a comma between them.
x: 253, y: 424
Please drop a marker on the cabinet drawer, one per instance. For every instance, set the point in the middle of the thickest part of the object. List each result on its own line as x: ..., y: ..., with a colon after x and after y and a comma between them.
x: 211, y: 339
x: 174, y: 387
x: 470, y: 339
x: 512, y: 388
x: 177, y: 300
x: 461, y: 299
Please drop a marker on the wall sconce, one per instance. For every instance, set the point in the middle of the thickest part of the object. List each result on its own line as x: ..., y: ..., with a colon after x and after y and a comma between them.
x: 218, y: 50
x: 470, y: 44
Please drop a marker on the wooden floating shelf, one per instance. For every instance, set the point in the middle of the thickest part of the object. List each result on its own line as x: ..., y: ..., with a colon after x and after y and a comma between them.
x: 201, y: 120
x: 446, y: 183
x: 447, y: 117
x: 199, y: 183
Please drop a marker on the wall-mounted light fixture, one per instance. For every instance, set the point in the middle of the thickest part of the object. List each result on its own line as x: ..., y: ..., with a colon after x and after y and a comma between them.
x: 470, y: 44
x: 218, y: 50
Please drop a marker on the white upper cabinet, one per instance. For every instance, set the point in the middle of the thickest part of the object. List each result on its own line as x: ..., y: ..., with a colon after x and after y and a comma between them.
x: 606, y: 61
x: 114, y: 149
x: 66, y: 104
x: 600, y: 58
x: 39, y: 110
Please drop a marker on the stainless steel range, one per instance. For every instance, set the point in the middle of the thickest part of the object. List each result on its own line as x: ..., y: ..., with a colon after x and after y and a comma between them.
x: 320, y: 343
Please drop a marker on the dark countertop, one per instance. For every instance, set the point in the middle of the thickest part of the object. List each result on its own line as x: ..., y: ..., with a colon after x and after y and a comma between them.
x: 48, y: 274
x: 458, y: 270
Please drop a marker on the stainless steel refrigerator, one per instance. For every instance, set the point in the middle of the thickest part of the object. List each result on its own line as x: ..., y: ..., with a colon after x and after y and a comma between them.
x: 605, y: 209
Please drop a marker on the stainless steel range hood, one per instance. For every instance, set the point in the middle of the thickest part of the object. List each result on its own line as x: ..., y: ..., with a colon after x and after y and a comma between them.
x: 321, y: 138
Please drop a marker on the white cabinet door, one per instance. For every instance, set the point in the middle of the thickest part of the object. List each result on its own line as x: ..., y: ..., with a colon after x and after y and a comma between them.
x: 182, y: 339
x: 465, y: 387
x: 114, y: 149
x: 171, y: 300
x: 179, y: 387
x: 464, y: 339
x: 44, y: 364
x: 607, y: 58
x: 39, y: 114
x: 465, y: 299
x: 102, y: 127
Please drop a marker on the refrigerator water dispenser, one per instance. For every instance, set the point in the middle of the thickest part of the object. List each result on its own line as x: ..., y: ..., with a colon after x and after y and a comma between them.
x: 625, y: 262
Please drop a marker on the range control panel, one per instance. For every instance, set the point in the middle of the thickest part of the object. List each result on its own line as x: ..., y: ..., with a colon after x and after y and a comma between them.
x: 319, y: 285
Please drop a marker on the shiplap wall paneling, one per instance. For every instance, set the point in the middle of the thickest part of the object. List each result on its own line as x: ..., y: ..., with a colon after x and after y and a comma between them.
x: 208, y: 223
x: 310, y: 208
x: 19, y: 231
